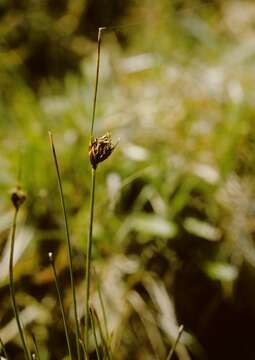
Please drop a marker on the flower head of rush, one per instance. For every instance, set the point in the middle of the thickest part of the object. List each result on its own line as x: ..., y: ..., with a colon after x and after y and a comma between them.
x: 100, y: 149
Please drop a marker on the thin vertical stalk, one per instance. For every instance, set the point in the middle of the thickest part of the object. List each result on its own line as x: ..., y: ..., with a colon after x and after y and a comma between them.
x: 36, y: 347
x: 96, y: 81
x: 94, y: 334
x: 83, y: 349
x: 3, y: 349
x: 61, y: 304
x: 100, y: 295
x: 92, y: 198
x: 77, y: 330
x: 12, y: 290
x: 171, y: 352
x: 107, y: 352
x: 88, y: 257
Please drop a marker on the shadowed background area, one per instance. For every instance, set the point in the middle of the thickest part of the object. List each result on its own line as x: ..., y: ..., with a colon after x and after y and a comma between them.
x: 174, y: 217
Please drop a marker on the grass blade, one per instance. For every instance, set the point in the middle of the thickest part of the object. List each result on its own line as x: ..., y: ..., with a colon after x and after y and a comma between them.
x: 3, y: 349
x: 100, y: 295
x: 94, y: 334
x: 171, y: 352
x: 107, y: 353
x: 77, y: 329
x: 60, y: 303
x: 36, y: 347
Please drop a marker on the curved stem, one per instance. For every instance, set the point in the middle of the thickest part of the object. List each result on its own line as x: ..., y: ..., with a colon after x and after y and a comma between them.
x: 88, y: 255
x: 77, y: 329
x: 12, y: 290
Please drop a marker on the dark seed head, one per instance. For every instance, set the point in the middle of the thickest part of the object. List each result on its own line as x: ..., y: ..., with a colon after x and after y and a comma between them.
x: 18, y: 196
x: 100, y: 149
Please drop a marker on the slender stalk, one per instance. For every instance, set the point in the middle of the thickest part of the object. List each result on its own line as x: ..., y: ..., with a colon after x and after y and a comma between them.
x: 92, y: 198
x: 102, y: 307
x: 37, y: 356
x: 107, y: 352
x: 61, y: 304
x: 11, y: 285
x: 88, y: 257
x: 94, y: 333
x: 96, y: 81
x: 3, y: 349
x: 171, y: 352
x: 77, y: 330
x: 83, y: 349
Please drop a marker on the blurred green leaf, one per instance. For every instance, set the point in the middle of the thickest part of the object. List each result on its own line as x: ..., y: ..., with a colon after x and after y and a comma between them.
x: 221, y: 271
x: 202, y: 229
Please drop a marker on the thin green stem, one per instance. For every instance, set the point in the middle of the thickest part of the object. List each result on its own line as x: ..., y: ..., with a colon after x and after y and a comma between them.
x: 77, y: 329
x: 96, y: 81
x: 92, y: 198
x: 12, y: 290
x: 3, y: 349
x: 88, y: 255
x: 107, y: 352
x: 61, y: 304
x: 36, y: 347
x: 102, y: 307
x: 94, y: 334
x: 83, y: 349
x: 171, y: 352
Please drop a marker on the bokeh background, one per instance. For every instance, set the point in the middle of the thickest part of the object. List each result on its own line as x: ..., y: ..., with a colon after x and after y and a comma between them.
x: 174, y: 220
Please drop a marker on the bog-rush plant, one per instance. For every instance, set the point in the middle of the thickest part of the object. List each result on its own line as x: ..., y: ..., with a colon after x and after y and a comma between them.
x: 100, y: 148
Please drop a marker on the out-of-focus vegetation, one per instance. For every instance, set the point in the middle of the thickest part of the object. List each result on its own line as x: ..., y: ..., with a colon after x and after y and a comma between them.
x: 174, y: 220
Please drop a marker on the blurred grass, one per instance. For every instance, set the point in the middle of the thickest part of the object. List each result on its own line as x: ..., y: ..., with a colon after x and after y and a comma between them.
x: 174, y: 202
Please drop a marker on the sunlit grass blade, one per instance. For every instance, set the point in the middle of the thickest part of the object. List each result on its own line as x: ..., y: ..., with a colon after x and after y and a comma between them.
x: 171, y: 352
x: 3, y: 350
x: 60, y: 303
x: 83, y: 349
x: 77, y: 329
x: 106, y: 350
x: 37, y: 356
x: 94, y: 333
x: 101, y: 300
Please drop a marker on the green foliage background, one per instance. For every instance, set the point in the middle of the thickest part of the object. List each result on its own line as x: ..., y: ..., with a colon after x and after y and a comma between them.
x: 174, y: 222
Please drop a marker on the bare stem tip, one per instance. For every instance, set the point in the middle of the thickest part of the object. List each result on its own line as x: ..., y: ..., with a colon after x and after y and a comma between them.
x: 50, y: 255
x: 100, y: 30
